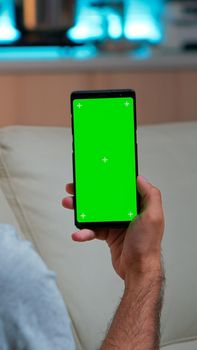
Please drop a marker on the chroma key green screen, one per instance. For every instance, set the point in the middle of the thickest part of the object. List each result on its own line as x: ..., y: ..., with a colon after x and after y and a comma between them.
x: 104, y: 156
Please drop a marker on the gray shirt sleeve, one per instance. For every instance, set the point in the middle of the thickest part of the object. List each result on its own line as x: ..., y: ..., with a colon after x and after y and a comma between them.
x: 32, y: 312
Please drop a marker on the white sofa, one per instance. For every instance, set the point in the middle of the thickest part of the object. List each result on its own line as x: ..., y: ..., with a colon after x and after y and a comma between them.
x: 35, y: 165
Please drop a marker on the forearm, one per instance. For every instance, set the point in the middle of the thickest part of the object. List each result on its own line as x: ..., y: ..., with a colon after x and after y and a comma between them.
x: 136, y: 325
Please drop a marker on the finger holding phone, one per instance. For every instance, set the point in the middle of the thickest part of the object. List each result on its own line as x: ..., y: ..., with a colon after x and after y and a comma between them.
x: 137, y: 247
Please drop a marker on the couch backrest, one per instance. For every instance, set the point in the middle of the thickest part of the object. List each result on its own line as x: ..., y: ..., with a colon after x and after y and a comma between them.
x: 36, y: 166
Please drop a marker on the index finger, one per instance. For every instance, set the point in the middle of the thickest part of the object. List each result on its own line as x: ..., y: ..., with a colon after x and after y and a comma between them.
x: 151, y: 199
x: 70, y: 188
x: 150, y: 195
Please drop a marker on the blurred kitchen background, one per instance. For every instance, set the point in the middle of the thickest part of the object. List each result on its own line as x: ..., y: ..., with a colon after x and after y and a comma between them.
x: 50, y: 47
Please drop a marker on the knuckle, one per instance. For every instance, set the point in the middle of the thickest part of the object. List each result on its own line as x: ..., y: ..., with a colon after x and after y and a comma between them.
x: 154, y: 219
x: 160, y: 220
x: 156, y: 192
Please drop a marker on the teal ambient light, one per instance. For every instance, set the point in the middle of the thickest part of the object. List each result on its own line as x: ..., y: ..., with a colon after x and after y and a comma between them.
x: 142, y: 22
x: 95, y: 23
x: 51, y: 53
x: 8, y: 31
x: 115, y: 28
x: 30, y: 53
x: 88, y: 25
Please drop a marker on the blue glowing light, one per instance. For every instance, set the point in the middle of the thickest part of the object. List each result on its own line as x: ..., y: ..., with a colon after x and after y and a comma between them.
x: 29, y: 53
x: 47, y: 53
x: 143, y: 29
x: 83, y: 53
x: 115, y: 28
x: 95, y: 23
x: 142, y: 20
x: 88, y: 27
x: 141, y: 53
x: 8, y: 31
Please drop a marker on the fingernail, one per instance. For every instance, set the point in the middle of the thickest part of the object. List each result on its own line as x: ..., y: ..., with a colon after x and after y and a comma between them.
x: 145, y: 179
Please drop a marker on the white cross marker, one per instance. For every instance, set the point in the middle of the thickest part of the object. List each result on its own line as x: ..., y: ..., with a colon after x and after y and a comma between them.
x: 105, y: 160
x: 127, y: 104
x: 82, y: 216
x: 79, y: 105
x: 130, y: 214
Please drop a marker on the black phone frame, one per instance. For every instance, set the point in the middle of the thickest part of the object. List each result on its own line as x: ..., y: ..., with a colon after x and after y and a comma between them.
x: 103, y: 94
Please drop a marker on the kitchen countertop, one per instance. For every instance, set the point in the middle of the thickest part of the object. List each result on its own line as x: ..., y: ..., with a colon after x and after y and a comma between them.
x: 87, y: 59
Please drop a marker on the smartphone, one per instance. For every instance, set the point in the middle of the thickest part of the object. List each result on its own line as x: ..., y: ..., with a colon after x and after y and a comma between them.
x: 105, y: 165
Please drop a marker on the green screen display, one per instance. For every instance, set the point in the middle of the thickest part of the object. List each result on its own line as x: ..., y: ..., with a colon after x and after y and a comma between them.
x: 104, y: 156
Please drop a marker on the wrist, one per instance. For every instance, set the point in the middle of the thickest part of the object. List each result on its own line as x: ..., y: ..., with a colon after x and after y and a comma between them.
x: 148, y: 269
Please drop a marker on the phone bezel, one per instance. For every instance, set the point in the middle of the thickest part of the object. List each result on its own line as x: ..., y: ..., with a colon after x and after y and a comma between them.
x: 103, y: 94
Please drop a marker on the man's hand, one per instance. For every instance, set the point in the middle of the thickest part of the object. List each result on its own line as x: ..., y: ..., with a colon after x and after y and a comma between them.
x: 136, y: 257
x: 137, y: 248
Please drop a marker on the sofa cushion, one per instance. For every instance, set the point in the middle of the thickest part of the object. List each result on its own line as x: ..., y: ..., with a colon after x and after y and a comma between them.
x: 7, y: 215
x: 38, y: 165
x: 185, y: 345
